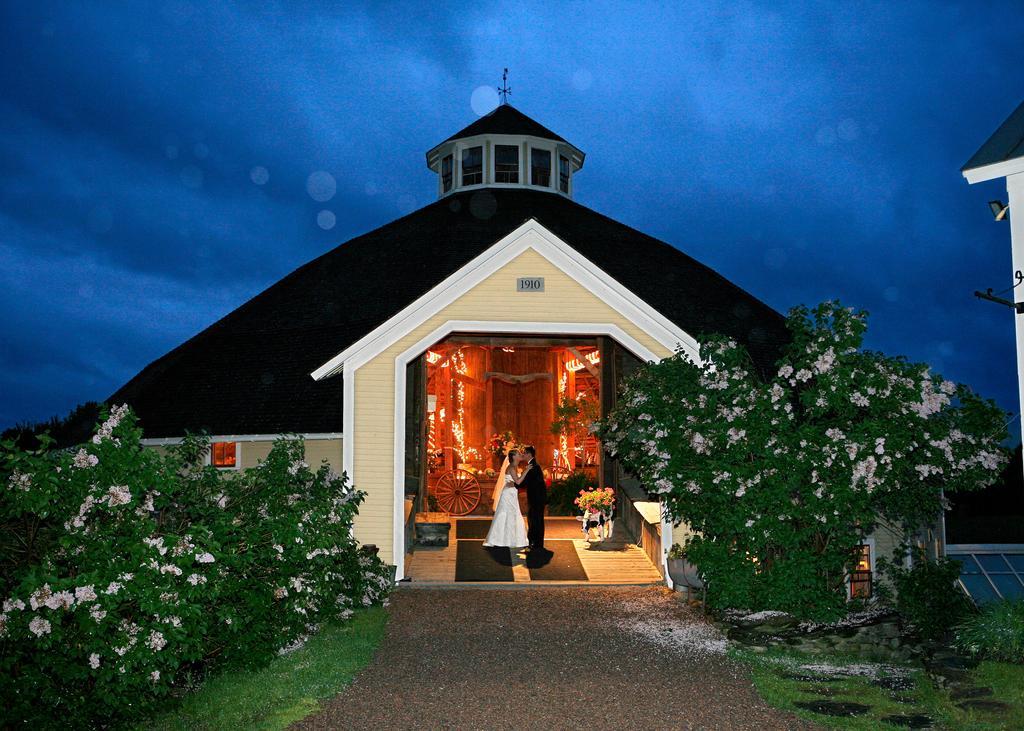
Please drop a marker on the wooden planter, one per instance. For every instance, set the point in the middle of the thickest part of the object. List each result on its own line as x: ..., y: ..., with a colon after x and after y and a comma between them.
x: 432, y: 529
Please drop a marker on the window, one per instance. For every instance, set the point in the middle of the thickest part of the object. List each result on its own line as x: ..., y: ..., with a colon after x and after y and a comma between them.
x: 446, y: 173
x: 473, y: 166
x: 563, y: 173
x: 860, y: 576
x: 224, y: 454
x: 506, y: 164
x: 540, y: 168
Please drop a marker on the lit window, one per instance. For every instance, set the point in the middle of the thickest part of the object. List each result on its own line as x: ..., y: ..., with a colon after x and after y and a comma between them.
x: 860, y: 576
x: 506, y: 164
x: 446, y: 173
x: 473, y: 166
x: 224, y: 454
x: 540, y: 168
x: 563, y: 173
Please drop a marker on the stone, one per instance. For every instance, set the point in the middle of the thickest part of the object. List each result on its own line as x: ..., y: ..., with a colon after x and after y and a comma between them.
x: 834, y: 708
x: 965, y: 692
x: 983, y: 704
x: 894, y: 682
x: 907, y: 720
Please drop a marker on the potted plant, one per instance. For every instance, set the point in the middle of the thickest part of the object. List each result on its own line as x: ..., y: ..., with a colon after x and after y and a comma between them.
x: 683, y: 572
x: 433, y: 526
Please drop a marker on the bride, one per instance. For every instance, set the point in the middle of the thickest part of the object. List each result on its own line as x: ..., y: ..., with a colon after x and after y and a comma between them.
x: 507, y: 527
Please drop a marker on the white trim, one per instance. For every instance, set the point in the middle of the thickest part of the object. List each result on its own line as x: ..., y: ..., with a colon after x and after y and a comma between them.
x: 530, y: 235
x: 985, y: 548
x: 994, y: 170
x: 166, y: 441
x: 403, y: 359
x: 666, y: 545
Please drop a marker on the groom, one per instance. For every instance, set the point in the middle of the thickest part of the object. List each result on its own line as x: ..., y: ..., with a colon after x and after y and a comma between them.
x: 537, y: 498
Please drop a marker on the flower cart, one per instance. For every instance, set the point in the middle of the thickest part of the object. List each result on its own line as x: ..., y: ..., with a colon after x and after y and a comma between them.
x: 597, y: 506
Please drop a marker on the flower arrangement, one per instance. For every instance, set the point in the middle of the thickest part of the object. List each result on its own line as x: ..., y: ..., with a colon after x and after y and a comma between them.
x: 597, y: 500
x: 501, y: 443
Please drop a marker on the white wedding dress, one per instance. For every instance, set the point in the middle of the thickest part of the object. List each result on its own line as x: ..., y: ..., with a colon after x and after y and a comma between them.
x: 507, y: 525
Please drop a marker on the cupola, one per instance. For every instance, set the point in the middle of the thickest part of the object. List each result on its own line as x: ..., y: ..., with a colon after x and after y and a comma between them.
x: 505, y: 149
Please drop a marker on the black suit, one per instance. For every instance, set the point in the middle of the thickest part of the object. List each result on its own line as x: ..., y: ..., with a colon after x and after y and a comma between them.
x: 537, y: 498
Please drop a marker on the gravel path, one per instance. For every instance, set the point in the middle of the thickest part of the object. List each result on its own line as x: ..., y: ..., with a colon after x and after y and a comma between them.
x: 551, y: 658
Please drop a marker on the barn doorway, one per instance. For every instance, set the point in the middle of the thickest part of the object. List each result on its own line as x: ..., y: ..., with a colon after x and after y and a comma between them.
x: 468, y: 397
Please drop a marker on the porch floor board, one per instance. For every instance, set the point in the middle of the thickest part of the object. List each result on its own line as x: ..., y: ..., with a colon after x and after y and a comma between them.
x: 609, y: 562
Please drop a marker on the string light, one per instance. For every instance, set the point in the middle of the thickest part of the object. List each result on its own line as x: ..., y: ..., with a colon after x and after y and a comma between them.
x: 576, y: 365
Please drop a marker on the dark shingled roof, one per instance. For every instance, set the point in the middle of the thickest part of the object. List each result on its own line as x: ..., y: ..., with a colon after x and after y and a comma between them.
x: 506, y: 120
x: 1006, y: 143
x: 248, y: 373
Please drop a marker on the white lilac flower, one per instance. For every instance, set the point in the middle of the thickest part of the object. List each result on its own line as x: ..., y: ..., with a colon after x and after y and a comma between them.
x: 108, y: 426
x: 859, y: 399
x: 786, y: 371
x: 204, y: 557
x: 39, y: 626
x: 97, y: 613
x: 94, y: 661
x: 118, y: 495
x: 154, y: 676
x: 60, y: 600
x: 157, y: 543
x: 20, y: 481
x: 803, y: 375
x: 113, y: 587
x: 83, y: 459
x: 280, y: 592
x: 10, y: 604
x: 85, y: 593
x: 749, y: 523
x: 296, y: 466
x: 169, y: 568
x: 37, y: 598
x: 196, y: 579
x: 736, y: 434
x: 156, y: 641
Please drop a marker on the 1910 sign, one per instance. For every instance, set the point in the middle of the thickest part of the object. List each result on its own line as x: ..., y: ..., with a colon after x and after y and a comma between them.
x: 530, y: 284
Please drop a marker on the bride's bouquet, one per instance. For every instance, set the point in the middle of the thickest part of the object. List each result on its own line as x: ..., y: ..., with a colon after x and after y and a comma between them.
x: 502, y: 443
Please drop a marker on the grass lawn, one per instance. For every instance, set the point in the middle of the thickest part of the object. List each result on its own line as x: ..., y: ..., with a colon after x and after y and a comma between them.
x: 288, y: 689
x: 1006, y: 681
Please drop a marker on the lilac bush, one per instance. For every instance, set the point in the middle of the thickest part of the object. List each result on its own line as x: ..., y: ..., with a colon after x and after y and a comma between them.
x: 126, y: 572
x: 783, y: 474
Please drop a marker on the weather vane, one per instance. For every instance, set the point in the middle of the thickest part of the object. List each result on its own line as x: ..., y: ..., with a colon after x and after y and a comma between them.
x: 504, y: 90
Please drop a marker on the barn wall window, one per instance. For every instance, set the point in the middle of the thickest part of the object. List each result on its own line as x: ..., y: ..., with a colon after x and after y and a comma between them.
x: 860, y: 576
x: 563, y: 173
x: 224, y: 455
x: 506, y: 164
x: 473, y: 165
x: 446, y: 173
x: 540, y: 167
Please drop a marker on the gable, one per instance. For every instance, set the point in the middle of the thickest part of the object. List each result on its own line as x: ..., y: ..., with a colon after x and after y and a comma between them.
x: 576, y: 281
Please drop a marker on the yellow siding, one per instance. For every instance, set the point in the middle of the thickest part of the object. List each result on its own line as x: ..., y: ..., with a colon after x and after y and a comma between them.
x: 494, y: 299
x: 317, y: 450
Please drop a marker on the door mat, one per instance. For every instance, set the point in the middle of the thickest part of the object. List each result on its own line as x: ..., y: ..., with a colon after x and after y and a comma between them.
x: 474, y: 562
x: 474, y: 530
x: 559, y: 562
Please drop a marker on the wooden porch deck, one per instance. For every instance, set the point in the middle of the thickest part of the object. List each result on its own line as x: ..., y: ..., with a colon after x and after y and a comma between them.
x: 609, y: 562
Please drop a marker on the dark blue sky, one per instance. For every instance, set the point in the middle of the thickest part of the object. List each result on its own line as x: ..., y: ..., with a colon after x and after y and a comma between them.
x: 806, y: 152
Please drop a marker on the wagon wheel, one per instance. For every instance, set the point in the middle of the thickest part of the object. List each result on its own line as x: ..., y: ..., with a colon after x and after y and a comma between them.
x: 457, y: 492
